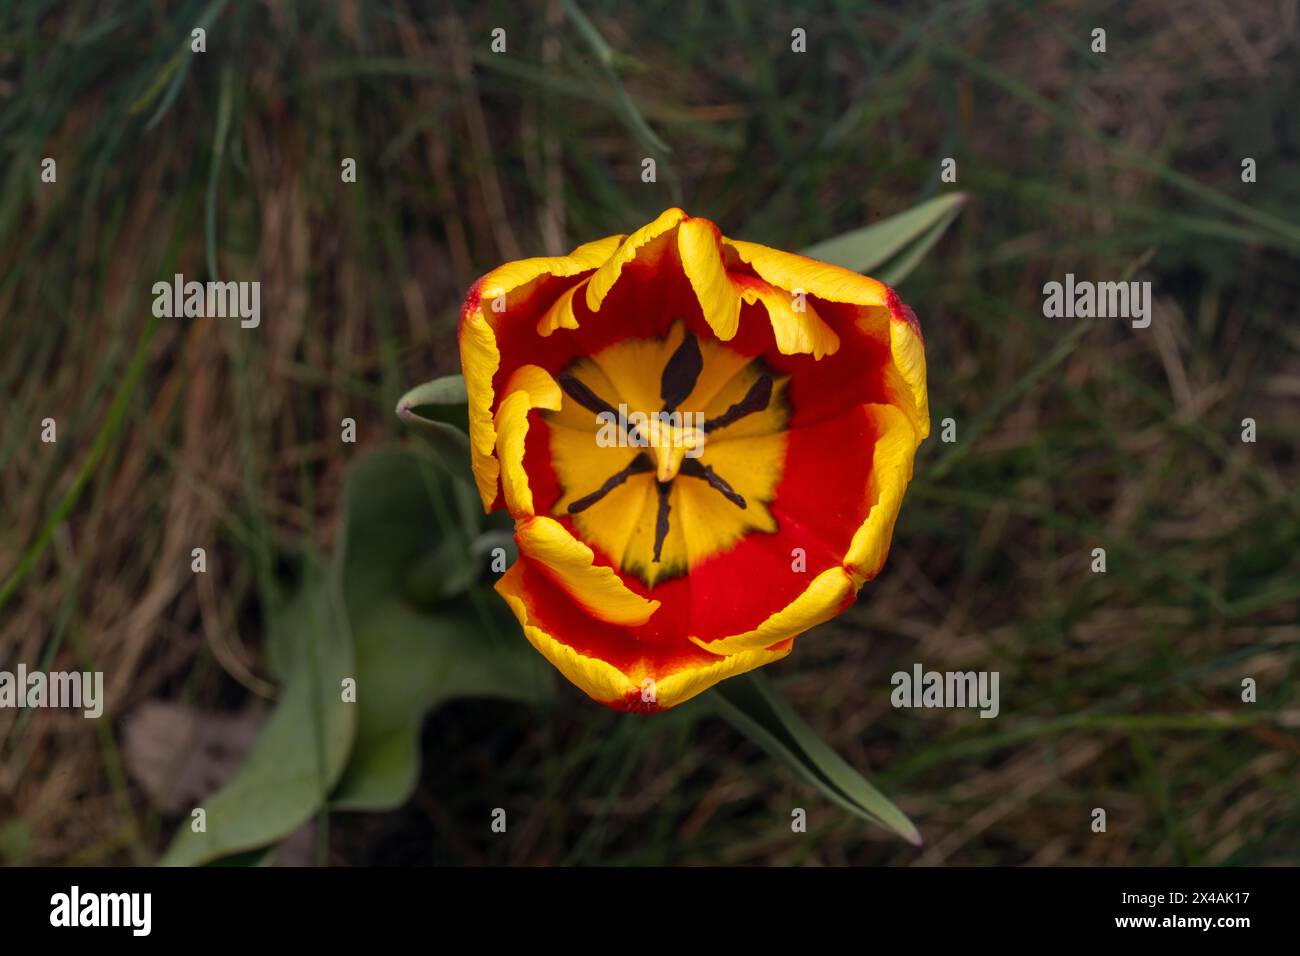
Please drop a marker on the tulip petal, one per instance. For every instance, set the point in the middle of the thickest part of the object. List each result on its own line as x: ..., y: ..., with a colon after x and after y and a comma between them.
x: 529, y: 387
x: 700, y: 247
x: 834, y: 588
x: 881, y: 315
x: 688, y: 682
x: 560, y: 315
x: 514, y: 277
x: 828, y: 594
x: 908, y: 351
x: 637, y: 675
x: 572, y: 565
x: 795, y: 332
x: 594, y: 254
x: 603, y: 279
x: 479, y: 358
x: 501, y: 292
x: 600, y: 680
x: 796, y: 273
x: 891, y: 470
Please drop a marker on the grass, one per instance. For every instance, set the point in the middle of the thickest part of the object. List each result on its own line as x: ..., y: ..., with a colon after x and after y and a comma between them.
x: 1119, y: 690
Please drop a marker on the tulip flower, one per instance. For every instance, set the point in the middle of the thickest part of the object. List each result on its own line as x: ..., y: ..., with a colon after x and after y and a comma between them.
x: 703, y: 442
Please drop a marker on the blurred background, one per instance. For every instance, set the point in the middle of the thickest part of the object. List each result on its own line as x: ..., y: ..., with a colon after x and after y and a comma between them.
x: 1119, y: 690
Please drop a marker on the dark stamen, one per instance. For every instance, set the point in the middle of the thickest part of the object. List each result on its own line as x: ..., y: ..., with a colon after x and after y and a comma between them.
x: 584, y: 396
x: 755, y: 400
x: 661, y: 521
x: 589, y: 400
x: 681, y: 373
x: 693, y: 468
x: 640, y: 464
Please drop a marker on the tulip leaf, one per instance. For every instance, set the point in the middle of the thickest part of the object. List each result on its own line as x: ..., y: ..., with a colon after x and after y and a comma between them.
x: 901, y: 267
x: 301, y: 750
x: 442, y: 419
x: 408, y: 662
x: 871, y: 246
x: 415, y: 648
x: 753, y: 707
x: 408, y: 644
x: 447, y: 390
x: 399, y: 510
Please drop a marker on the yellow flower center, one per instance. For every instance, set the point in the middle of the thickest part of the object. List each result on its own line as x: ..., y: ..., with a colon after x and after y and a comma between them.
x: 667, y: 451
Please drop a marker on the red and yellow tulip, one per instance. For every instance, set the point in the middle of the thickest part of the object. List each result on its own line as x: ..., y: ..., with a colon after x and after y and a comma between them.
x: 703, y: 443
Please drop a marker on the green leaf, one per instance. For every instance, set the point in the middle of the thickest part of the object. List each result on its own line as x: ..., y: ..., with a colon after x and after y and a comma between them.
x: 414, y: 649
x: 398, y: 509
x: 410, y: 662
x: 410, y: 644
x: 444, y: 421
x: 864, y: 249
x: 300, y: 753
x: 262, y: 856
x: 750, y: 705
x: 448, y: 390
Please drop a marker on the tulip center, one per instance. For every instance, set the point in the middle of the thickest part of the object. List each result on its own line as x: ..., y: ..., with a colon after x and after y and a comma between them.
x: 654, y: 497
x: 669, y: 450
